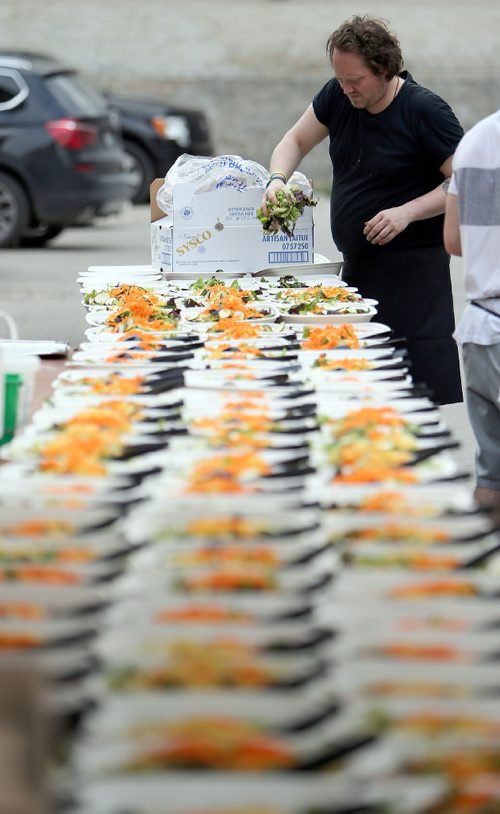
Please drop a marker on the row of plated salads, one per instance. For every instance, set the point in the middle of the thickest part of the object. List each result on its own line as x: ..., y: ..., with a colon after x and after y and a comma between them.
x: 239, y: 549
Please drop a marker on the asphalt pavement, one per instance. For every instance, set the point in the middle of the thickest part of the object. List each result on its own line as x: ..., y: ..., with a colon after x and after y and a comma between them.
x: 38, y: 286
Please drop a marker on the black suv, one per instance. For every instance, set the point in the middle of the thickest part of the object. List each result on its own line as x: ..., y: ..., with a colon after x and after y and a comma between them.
x: 156, y: 134
x: 61, y: 153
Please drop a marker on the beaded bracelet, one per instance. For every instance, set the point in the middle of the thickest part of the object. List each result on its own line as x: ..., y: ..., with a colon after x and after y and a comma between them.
x: 277, y: 176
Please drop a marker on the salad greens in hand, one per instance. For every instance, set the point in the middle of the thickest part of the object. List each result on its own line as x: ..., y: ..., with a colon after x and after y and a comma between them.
x: 284, y: 214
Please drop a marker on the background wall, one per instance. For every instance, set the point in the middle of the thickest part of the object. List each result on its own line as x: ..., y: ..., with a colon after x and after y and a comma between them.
x: 254, y: 65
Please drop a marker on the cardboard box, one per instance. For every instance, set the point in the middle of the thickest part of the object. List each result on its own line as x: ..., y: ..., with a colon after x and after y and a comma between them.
x: 219, y: 230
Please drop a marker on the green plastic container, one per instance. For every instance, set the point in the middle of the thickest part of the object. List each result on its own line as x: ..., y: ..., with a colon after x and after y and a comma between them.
x: 12, y: 386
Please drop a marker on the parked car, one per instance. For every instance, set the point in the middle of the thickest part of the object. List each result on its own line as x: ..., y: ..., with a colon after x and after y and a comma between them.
x: 155, y: 134
x: 62, y: 160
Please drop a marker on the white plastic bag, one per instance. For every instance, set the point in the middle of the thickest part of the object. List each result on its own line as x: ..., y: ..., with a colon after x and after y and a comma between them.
x: 219, y: 172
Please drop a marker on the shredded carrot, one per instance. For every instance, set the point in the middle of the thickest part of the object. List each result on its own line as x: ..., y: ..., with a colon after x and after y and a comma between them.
x: 448, y: 587
x: 324, y: 337
x: 224, y: 527
x: 228, y: 553
x: 39, y: 528
x: 202, y: 613
x: 215, y: 743
x: 34, y: 573
x: 408, y: 650
x: 22, y: 610
x: 230, y: 578
x: 232, y: 328
x: 89, y: 437
x: 226, y: 472
x: 355, y: 363
x: 11, y: 640
x: 232, y: 427
x: 114, y: 384
x: 376, y: 475
x: 224, y: 350
x: 402, y: 532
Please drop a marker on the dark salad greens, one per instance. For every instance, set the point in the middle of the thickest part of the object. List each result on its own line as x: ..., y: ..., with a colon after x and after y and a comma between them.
x: 284, y: 214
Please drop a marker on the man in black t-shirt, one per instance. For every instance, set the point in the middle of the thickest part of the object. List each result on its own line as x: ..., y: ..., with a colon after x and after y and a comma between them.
x: 391, y: 147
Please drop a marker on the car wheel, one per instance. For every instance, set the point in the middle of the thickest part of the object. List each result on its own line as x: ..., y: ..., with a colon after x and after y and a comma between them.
x: 142, y: 170
x: 14, y: 211
x: 39, y: 235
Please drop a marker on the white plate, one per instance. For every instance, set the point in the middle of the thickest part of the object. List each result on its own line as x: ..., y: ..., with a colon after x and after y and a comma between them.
x: 100, y: 334
x: 205, y: 275
x: 435, y: 469
x: 275, y: 402
x: 340, y: 523
x: 63, y: 409
x: 74, y: 519
x: 148, y: 269
x: 352, y: 378
x: 312, y: 582
x: 75, y: 378
x: 111, y: 744
x: 189, y: 315
x: 100, y: 281
x: 381, y: 585
x: 117, y: 717
x: 379, y: 356
x: 60, y: 601
x: 333, y: 318
x: 103, y: 299
x: 84, y: 359
x: 413, y: 410
x: 207, y: 792
x: 104, y: 354
x: 230, y: 381
x: 271, y: 283
x: 244, y: 282
x: 170, y: 524
x: 269, y: 612
x: 295, y: 793
x: 415, y: 499
x: 99, y: 317
x: 362, y: 330
x: 35, y: 347
x: 101, y: 284
x: 100, y: 353
x: 162, y: 345
x: 362, y: 392
x: 293, y: 296
x: 300, y: 269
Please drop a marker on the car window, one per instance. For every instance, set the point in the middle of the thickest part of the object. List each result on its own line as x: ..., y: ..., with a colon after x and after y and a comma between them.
x: 75, y: 96
x: 13, y: 89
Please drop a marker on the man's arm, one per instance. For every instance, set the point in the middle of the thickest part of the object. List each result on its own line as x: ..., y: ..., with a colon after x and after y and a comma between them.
x: 297, y: 142
x: 385, y: 225
x: 451, y: 230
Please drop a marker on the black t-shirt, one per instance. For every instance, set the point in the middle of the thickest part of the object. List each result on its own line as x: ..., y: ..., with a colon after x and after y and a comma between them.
x: 385, y: 159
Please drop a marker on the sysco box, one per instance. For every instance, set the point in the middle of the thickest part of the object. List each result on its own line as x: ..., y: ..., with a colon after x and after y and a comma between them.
x: 219, y: 230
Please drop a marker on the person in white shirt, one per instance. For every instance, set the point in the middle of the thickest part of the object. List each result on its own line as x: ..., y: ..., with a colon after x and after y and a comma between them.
x: 472, y: 231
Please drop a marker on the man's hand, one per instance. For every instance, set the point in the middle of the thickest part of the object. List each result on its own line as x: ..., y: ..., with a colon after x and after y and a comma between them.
x: 270, y: 194
x: 384, y: 226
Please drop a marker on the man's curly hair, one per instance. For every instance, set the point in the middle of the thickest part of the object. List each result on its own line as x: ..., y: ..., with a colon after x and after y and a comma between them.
x: 371, y: 38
